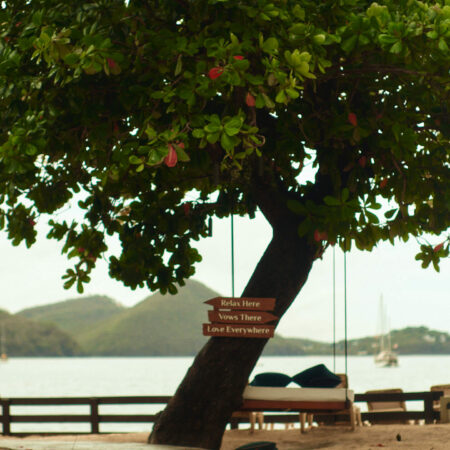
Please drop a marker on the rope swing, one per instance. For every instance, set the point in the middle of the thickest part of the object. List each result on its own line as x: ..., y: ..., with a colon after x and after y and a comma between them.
x: 232, y: 255
x: 345, y: 316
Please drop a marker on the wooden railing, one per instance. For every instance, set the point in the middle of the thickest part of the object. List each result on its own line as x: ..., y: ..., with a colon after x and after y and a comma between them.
x: 95, y: 417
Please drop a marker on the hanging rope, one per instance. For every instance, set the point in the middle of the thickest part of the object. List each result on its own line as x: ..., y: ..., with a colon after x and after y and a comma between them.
x: 232, y: 255
x: 334, y: 309
x: 345, y: 324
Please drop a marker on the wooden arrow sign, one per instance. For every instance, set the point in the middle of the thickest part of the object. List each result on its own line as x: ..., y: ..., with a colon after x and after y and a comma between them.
x: 245, y: 303
x: 238, y: 331
x: 241, y: 317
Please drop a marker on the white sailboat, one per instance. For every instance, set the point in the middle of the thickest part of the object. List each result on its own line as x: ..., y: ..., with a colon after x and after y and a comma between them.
x: 385, y: 357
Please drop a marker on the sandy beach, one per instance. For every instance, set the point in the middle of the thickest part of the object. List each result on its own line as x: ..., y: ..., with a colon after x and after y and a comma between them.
x: 411, y: 437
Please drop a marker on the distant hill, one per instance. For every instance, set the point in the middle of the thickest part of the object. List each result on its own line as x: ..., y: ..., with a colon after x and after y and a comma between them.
x: 408, y: 341
x: 159, y: 325
x: 24, y: 337
x: 76, y: 316
x: 172, y: 326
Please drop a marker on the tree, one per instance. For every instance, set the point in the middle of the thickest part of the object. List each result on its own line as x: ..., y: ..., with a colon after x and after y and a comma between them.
x: 134, y: 104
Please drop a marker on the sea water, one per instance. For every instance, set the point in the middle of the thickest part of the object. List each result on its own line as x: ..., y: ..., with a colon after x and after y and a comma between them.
x: 97, y: 377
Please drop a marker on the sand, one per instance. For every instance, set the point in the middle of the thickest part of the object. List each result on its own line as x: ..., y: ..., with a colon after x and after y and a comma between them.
x: 412, y: 437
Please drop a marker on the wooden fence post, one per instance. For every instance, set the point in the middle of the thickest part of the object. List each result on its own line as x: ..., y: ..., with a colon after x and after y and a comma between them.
x: 94, y: 415
x: 6, y: 416
x: 428, y: 407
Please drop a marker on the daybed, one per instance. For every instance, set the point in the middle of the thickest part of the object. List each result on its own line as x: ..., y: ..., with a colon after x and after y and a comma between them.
x: 302, y: 400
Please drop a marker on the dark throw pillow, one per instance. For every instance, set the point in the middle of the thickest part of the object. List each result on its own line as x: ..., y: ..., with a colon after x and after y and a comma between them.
x: 317, y: 376
x: 271, y: 379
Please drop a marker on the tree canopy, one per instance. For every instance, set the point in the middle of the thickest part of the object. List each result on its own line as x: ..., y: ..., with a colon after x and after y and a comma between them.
x: 136, y: 103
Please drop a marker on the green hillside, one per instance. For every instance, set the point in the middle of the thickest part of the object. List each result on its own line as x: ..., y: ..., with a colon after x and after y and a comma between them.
x: 76, y: 316
x: 24, y: 337
x: 159, y: 325
x: 172, y: 326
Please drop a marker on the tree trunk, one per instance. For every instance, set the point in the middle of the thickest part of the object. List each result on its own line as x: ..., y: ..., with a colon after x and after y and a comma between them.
x: 212, y: 388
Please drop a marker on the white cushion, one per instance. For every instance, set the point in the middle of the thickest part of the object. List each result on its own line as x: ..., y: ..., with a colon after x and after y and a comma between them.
x: 298, y: 394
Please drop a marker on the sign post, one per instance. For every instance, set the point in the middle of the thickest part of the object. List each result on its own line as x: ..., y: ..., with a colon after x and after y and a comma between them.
x: 240, y: 317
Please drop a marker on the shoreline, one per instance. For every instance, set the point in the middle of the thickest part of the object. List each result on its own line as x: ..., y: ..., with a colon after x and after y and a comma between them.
x: 410, y: 437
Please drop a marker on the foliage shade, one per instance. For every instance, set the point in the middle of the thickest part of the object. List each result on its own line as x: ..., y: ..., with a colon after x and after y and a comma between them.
x: 134, y: 105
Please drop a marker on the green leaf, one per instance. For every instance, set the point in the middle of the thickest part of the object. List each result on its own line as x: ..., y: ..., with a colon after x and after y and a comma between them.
x: 213, y: 137
x: 331, y: 201
x: 212, y: 127
x: 389, y: 214
x: 387, y: 39
x: 304, y: 227
x: 156, y: 155
x: 270, y: 45
x: 349, y: 44
x: 233, y: 126
x: 71, y: 59
x: 397, y: 47
x: 296, y: 207
x: 179, y: 66
x: 298, y: 12
x: 268, y: 101
x: 135, y: 160
x: 372, y: 217
x: 345, y: 193
x: 281, y: 97
x: 292, y: 93
x: 198, y: 133
x: 227, y: 142
x: 182, y: 155
x: 444, y: 47
x: 319, y: 39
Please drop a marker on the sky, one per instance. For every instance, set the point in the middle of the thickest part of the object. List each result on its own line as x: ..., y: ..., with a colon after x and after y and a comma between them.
x: 412, y: 296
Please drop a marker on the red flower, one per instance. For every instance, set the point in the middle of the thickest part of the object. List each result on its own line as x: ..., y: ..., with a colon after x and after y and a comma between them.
x: 238, y: 57
x: 215, y: 72
x: 250, y: 100
x: 352, y: 119
x: 111, y: 63
x: 171, y: 159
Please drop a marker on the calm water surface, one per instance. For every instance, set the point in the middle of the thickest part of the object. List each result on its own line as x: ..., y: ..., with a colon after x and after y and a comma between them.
x: 55, y: 377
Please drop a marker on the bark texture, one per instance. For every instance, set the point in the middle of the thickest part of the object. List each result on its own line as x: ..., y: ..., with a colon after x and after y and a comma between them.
x: 212, y: 388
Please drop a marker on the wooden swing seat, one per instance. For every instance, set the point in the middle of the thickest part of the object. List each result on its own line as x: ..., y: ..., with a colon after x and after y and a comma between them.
x: 301, y: 400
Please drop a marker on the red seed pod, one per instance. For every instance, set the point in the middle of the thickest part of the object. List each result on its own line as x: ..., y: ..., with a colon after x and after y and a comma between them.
x: 383, y: 183
x: 111, y: 63
x: 171, y: 159
x: 186, y: 208
x: 215, y: 72
x: 238, y: 57
x: 438, y: 247
x: 250, y: 100
x: 352, y: 119
x: 317, y: 235
x: 362, y: 161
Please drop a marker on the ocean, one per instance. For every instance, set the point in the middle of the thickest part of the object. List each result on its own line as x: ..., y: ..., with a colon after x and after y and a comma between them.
x: 96, y: 377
